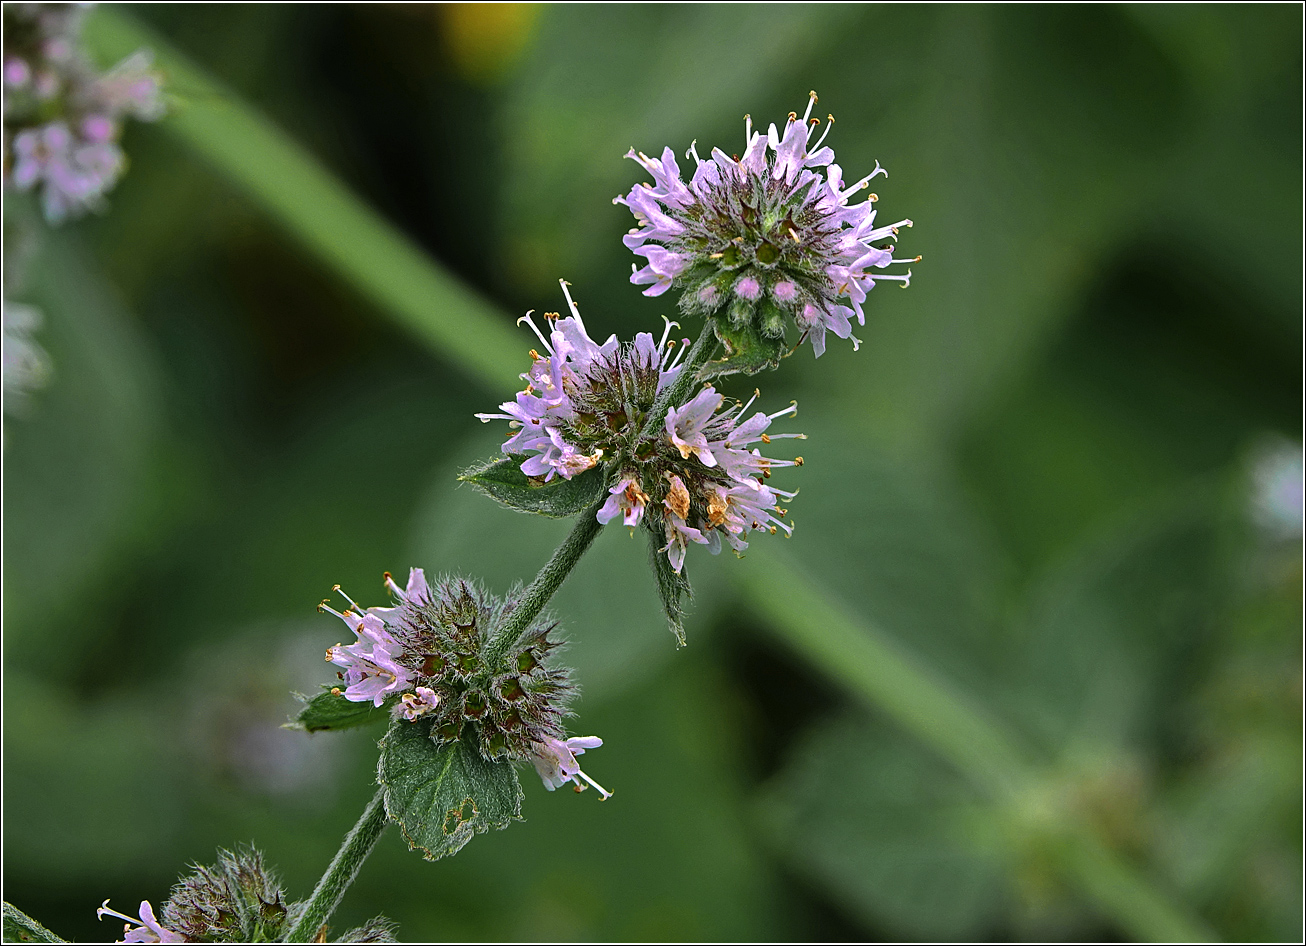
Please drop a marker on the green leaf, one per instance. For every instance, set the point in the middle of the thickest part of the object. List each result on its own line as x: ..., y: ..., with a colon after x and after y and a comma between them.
x: 502, y: 479
x: 672, y: 586
x: 332, y: 711
x: 747, y: 351
x: 893, y: 834
x: 21, y: 928
x: 441, y: 796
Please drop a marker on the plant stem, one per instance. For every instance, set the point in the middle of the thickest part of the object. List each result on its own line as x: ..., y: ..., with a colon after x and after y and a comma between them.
x: 344, y: 867
x: 549, y: 580
x: 675, y: 392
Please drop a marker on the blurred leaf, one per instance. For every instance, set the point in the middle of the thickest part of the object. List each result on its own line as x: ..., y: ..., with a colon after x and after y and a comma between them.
x: 1109, y: 634
x: 328, y: 711
x: 21, y: 928
x: 502, y: 479
x: 80, y: 487
x: 442, y: 797
x: 890, y: 832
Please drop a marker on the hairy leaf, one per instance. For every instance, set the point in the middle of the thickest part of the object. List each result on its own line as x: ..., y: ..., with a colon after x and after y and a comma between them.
x: 748, y: 351
x: 672, y: 586
x: 330, y: 710
x: 21, y: 928
x: 441, y: 796
x: 502, y: 479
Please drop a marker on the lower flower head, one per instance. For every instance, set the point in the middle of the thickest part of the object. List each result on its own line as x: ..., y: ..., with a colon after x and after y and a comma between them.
x: 434, y: 656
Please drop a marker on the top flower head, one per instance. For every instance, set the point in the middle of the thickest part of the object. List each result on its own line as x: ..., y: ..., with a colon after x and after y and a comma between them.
x: 753, y: 237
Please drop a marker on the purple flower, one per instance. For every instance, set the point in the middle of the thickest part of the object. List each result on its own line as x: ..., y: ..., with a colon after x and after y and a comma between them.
x: 418, y: 703
x: 434, y: 656
x: 556, y: 763
x: 773, y: 231
x: 147, y: 928
x: 62, y: 119
x: 555, y: 424
x: 627, y: 500
x: 371, y: 673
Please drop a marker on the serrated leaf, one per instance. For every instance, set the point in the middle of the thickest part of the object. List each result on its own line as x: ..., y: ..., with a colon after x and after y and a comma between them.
x: 503, y: 480
x: 672, y: 586
x: 332, y: 711
x: 747, y: 350
x: 21, y: 928
x: 440, y: 796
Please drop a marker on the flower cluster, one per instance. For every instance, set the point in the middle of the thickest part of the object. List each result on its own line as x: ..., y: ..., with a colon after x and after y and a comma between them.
x: 237, y: 900
x: 751, y: 238
x: 693, y: 475
x: 62, y: 120
x: 436, y: 657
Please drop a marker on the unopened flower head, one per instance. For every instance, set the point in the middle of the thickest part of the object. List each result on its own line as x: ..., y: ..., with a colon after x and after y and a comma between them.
x: 434, y: 656
x: 752, y: 238
x: 693, y: 476
x: 62, y: 119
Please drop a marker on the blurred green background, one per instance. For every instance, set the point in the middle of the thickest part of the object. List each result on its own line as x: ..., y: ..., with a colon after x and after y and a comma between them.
x: 1037, y: 480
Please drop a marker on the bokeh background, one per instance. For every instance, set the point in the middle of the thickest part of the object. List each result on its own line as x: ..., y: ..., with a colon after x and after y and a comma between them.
x: 1062, y: 477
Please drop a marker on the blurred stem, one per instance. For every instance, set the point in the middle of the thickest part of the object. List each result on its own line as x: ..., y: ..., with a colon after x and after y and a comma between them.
x: 549, y: 580
x: 419, y: 294
x: 344, y: 867
x: 317, y: 210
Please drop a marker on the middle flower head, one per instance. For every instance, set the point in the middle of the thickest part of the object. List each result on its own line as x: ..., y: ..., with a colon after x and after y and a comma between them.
x: 689, y: 475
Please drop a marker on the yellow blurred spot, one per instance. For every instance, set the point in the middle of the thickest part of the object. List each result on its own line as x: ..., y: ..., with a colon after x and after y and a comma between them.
x: 485, y: 40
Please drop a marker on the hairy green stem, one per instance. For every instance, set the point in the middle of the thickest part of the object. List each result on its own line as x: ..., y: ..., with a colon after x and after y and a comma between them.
x: 344, y: 867
x: 549, y: 580
x: 675, y: 392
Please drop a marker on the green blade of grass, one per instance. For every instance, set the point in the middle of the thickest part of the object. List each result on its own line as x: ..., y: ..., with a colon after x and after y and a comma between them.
x: 354, y: 241
x: 315, y: 208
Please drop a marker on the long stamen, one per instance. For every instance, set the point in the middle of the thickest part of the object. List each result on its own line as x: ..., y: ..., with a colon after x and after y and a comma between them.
x: 667, y: 331
x: 748, y: 132
x: 602, y: 791
x: 106, y: 909
x: 811, y: 100
x: 828, y: 125
x: 571, y: 305
x: 534, y: 328
x: 390, y: 584
x: 356, y: 606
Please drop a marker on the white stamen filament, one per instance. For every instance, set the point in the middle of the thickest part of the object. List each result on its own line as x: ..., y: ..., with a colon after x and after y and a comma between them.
x: 811, y: 100
x: 356, y: 606
x: 571, y: 305
x: 602, y: 791
x: 828, y: 125
x: 667, y: 331
x: 105, y: 908
x: 534, y: 328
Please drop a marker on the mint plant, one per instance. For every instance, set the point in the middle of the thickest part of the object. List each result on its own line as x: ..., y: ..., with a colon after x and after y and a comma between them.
x: 468, y: 682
